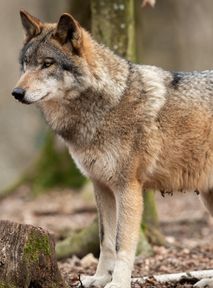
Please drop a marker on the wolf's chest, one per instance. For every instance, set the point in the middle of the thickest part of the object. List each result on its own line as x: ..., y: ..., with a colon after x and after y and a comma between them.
x: 95, y: 164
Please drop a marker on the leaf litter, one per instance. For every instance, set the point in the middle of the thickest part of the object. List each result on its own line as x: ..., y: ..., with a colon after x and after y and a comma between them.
x: 186, y: 225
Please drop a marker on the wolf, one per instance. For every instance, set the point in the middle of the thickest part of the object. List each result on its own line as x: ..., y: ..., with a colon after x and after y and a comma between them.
x: 128, y: 127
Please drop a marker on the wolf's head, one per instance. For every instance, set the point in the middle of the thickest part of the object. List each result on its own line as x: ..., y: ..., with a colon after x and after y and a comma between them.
x: 54, y: 60
x: 72, y: 78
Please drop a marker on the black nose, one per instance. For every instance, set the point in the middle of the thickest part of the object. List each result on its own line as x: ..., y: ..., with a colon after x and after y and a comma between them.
x: 18, y: 93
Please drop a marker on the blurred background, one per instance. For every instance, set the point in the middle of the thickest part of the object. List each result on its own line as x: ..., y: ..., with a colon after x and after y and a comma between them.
x: 176, y: 35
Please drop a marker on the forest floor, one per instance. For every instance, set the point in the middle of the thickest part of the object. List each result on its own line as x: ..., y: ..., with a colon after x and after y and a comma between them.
x: 183, y: 220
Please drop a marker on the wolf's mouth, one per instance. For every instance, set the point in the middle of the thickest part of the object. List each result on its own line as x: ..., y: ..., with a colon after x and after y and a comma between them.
x: 24, y: 101
x: 42, y: 98
x: 28, y: 102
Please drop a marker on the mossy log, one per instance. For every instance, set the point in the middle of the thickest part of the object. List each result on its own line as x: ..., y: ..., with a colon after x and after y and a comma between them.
x: 27, y: 257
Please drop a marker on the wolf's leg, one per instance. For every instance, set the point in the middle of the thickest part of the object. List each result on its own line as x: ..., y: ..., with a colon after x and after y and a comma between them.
x: 129, y: 203
x: 107, y: 227
x: 207, y: 199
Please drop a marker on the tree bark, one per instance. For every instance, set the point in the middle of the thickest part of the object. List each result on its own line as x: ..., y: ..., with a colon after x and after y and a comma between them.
x: 113, y: 23
x: 27, y: 257
x: 150, y: 222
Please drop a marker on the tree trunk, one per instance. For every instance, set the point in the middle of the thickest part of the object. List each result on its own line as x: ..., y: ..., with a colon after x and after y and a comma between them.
x: 150, y: 222
x: 27, y: 257
x: 113, y: 23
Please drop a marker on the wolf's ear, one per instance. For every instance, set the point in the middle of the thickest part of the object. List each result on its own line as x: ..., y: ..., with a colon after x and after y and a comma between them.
x: 68, y: 30
x: 31, y: 24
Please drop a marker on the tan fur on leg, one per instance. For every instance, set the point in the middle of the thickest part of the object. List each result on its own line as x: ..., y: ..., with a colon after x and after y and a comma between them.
x: 107, y: 226
x: 129, y: 203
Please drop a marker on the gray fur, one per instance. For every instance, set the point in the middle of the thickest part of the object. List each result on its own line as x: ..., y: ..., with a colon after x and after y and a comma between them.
x: 128, y: 127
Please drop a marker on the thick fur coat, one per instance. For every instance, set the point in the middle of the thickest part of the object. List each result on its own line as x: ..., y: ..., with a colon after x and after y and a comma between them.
x: 128, y: 127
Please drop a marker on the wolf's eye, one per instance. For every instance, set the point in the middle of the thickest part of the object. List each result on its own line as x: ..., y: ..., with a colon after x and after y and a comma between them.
x: 24, y: 63
x: 47, y: 63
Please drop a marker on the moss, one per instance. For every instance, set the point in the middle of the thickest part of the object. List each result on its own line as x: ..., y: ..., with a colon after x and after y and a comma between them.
x: 35, y: 246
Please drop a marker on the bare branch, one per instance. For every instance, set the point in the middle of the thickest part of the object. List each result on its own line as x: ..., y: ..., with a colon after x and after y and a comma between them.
x: 177, y: 277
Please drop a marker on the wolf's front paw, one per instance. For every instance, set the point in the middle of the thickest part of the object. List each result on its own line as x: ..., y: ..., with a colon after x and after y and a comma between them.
x: 117, y: 285
x: 94, y: 281
x: 204, y: 283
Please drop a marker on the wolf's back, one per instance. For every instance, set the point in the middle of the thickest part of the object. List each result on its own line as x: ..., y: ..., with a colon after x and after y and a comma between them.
x: 197, y: 86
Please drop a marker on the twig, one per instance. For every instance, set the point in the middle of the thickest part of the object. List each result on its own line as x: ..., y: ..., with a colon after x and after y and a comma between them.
x: 177, y: 277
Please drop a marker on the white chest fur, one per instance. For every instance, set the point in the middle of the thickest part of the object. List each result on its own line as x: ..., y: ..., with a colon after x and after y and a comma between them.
x: 96, y: 164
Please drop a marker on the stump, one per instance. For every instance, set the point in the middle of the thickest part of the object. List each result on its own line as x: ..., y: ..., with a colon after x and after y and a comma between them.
x: 27, y: 257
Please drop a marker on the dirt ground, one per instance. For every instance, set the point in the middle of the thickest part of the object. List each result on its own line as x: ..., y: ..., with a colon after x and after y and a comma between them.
x: 183, y: 220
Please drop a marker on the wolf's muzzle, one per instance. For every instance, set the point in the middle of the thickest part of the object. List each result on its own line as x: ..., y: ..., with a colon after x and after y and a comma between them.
x: 18, y: 93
